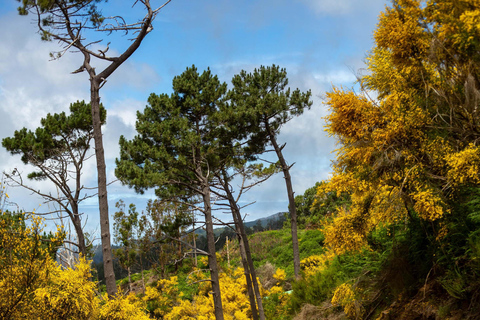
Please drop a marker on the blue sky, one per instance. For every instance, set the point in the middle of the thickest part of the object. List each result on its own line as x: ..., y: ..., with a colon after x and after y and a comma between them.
x: 320, y: 42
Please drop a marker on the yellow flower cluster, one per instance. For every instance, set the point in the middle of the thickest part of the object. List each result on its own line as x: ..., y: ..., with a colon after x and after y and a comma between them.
x: 234, y: 298
x: 34, y: 286
x: 25, y: 266
x: 69, y: 293
x: 316, y: 263
x: 122, y: 308
x: 464, y: 166
x: 342, y: 234
x: 163, y: 297
x: 344, y: 296
x: 428, y: 205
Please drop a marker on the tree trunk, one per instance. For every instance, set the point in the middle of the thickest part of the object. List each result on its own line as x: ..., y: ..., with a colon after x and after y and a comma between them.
x: 253, y: 274
x: 248, y: 276
x: 77, y: 224
x: 102, y: 188
x: 291, y: 200
x: 143, y: 277
x: 129, y: 279
x: 237, y: 218
x: 246, y: 268
x: 212, y: 258
x: 195, y: 245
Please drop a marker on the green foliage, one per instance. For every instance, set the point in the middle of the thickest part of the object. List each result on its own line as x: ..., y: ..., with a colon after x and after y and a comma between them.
x: 59, y: 133
x: 175, y: 134
x: 164, y: 222
x: 124, y: 231
x: 317, y: 288
x: 275, y: 308
x: 85, y: 8
x: 304, y: 203
x: 312, y: 209
x: 458, y: 250
x: 275, y: 246
x: 185, y: 287
x: 262, y: 103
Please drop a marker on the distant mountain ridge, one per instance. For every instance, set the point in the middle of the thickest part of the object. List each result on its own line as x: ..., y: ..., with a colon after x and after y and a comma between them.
x: 265, y: 222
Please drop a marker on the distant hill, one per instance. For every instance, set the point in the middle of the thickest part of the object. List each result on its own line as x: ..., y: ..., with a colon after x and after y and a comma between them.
x: 272, y: 220
x: 279, y: 216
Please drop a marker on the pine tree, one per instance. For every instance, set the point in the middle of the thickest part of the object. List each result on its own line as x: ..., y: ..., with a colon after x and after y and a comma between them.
x: 177, y: 149
x: 263, y: 103
x: 58, y: 150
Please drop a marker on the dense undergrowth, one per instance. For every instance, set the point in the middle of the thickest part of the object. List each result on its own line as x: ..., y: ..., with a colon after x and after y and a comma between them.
x: 402, y: 274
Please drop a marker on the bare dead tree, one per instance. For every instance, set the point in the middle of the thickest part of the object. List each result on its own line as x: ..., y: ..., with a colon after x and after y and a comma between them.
x: 69, y: 23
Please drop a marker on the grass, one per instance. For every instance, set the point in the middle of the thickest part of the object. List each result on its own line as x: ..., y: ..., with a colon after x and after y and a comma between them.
x: 275, y: 246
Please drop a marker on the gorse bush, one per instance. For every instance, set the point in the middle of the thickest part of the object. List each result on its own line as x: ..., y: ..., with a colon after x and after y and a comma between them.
x: 34, y: 286
x: 26, y: 265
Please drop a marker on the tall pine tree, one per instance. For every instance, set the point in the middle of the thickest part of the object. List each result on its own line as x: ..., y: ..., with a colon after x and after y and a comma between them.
x: 263, y: 103
x: 177, y: 149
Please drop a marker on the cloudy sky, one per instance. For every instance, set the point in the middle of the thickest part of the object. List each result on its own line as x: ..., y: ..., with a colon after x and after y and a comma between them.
x: 320, y: 42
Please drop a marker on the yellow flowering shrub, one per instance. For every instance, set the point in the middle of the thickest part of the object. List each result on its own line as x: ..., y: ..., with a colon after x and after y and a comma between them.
x: 342, y: 233
x: 280, y: 275
x: 408, y: 141
x: 123, y: 307
x: 69, y: 293
x: 235, y: 300
x: 26, y: 265
x: 316, y: 263
x: 183, y: 311
x: 428, y: 205
x: 161, y: 299
x: 464, y: 166
x: 344, y: 296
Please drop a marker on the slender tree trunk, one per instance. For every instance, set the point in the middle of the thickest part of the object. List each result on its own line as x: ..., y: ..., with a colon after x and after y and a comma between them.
x: 228, y: 253
x: 102, y: 187
x: 212, y: 258
x: 248, y: 276
x: 129, y: 279
x: 77, y: 224
x: 253, y: 274
x: 237, y: 218
x: 291, y: 200
x: 195, y: 244
x: 143, y: 277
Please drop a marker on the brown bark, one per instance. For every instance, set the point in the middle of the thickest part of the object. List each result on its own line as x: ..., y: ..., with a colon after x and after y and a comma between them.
x: 77, y: 224
x: 253, y: 274
x: 212, y: 258
x: 129, y: 279
x: 248, y: 276
x: 291, y: 200
x: 248, y: 265
x: 102, y: 186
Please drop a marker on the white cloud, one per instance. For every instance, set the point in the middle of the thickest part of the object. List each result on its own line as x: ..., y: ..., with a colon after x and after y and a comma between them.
x: 139, y: 76
x: 126, y: 110
x: 32, y: 86
x: 337, y: 77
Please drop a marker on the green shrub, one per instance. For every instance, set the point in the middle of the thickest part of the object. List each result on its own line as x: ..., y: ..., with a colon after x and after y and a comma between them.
x: 318, y: 287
